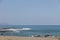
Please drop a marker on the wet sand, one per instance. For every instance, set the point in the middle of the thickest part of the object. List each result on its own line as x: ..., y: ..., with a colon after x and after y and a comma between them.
x: 28, y: 38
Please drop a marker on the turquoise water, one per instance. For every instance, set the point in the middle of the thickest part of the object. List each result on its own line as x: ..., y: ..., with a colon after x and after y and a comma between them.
x: 36, y: 30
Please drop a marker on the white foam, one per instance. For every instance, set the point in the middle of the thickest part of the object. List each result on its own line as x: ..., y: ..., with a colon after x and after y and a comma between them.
x: 22, y: 29
x: 26, y: 28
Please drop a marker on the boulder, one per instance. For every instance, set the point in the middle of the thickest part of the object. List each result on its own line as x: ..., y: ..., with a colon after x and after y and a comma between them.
x: 46, y: 35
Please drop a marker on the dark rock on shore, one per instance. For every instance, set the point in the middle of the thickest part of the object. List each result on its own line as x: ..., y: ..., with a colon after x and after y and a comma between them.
x: 46, y: 35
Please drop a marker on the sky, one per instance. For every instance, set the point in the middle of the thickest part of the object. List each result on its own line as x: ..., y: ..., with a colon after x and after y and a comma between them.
x: 30, y: 12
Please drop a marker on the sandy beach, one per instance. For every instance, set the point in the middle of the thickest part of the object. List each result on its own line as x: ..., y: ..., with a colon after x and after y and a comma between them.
x: 28, y: 38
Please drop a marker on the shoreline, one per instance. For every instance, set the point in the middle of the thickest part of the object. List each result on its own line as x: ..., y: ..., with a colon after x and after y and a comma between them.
x: 28, y: 38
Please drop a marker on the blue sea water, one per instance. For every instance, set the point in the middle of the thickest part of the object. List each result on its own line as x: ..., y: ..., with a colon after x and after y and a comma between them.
x: 36, y: 30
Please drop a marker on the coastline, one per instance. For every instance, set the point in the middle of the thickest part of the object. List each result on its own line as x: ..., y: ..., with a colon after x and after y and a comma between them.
x: 28, y: 38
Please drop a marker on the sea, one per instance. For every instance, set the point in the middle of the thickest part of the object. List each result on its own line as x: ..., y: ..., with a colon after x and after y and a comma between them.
x: 35, y: 30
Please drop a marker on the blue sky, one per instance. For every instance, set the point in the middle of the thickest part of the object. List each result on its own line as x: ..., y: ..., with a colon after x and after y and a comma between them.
x: 30, y: 12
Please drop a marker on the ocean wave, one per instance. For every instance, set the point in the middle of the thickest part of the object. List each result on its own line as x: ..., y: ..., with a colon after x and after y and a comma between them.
x: 22, y: 29
x: 26, y: 28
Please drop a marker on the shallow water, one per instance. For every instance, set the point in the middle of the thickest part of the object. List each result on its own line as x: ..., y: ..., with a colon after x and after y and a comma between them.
x: 36, y: 30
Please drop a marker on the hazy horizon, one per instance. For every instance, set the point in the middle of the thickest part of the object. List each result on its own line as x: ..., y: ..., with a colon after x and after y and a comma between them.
x: 30, y: 12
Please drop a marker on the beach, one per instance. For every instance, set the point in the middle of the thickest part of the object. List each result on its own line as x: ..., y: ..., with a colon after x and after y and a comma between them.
x: 28, y: 38
x: 47, y: 32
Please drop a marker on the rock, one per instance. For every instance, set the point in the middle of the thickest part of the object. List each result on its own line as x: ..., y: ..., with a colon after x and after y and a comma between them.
x: 46, y: 35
